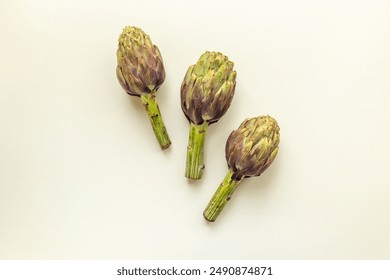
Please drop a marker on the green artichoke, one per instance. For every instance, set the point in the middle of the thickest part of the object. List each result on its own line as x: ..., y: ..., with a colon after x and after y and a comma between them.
x: 249, y: 150
x: 206, y: 94
x: 140, y: 72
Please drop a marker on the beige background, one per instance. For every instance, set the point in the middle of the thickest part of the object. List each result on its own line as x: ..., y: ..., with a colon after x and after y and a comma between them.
x: 81, y: 175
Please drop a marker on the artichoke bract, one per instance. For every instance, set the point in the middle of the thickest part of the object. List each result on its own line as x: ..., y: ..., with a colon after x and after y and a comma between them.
x: 141, y: 72
x: 206, y: 94
x: 249, y: 150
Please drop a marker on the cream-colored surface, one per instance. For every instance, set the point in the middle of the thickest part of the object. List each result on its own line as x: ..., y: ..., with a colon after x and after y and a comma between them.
x: 82, y: 176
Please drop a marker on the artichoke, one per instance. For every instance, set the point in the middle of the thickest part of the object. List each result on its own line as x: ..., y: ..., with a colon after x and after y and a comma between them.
x: 140, y: 72
x: 206, y: 94
x: 249, y: 150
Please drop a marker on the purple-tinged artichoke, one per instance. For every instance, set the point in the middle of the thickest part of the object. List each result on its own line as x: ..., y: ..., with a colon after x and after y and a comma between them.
x: 206, y: 94
x: 249, y: 150
x: 140, y: 72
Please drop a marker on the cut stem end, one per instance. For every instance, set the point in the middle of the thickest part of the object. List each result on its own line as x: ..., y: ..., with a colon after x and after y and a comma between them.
x: 221, y: 197
x: 159, y: 129
x: 195, y: 154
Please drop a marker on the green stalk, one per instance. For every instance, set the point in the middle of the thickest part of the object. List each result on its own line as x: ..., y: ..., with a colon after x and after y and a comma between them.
x: 221, y: 197
x: 151, y: 106
x: 195, y: 154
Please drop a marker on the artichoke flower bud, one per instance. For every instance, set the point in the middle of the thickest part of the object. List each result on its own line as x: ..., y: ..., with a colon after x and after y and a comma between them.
x: 208, y: 88
x: 250, y: 150
x: 252, y: 147
x: 206, y: 94
x: 140, y: 67
x: 140, y: 72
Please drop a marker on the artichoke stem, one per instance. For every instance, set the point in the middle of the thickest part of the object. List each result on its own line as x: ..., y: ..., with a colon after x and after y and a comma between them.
x: 195, y: 154
x: 151, y: 106
x: 221, y: 197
